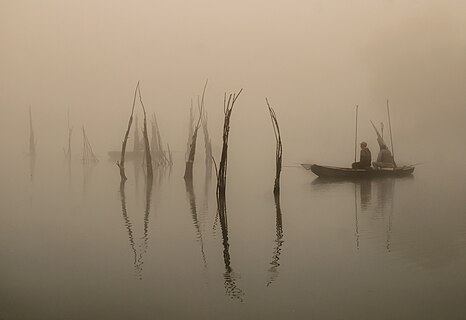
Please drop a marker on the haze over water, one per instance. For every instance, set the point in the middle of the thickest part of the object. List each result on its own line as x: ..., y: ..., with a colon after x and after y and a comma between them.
x: 73, y: 246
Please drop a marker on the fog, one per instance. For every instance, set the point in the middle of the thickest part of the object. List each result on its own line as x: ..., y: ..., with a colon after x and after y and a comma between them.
x: 314, y: 60
x: 78, y: 244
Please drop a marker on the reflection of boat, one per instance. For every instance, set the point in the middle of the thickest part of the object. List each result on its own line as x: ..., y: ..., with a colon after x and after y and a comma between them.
x: 348, y: 173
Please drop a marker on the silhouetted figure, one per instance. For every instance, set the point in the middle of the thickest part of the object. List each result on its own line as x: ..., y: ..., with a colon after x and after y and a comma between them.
x: 384, y: 159
x: 365, y: 158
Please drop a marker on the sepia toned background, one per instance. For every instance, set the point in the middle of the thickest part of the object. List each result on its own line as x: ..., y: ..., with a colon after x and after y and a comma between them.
x: 72, y: 248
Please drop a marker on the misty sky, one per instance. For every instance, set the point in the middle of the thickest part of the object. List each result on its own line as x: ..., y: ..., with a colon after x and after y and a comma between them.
x: 314, y: 60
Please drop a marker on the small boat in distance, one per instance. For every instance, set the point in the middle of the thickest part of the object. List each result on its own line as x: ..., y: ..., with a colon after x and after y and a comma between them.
x: 348, y: 173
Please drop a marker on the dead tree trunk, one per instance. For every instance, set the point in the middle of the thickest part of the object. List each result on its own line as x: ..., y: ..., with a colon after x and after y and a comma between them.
x: 207, y: 145
x: 278, y: 150
x: 188, y: 173
x: 222, y: 170
x: 121, y: 164
x: 231, y: 287
x: 150, y: 173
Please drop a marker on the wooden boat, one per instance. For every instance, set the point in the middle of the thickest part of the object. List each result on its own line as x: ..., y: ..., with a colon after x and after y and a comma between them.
x: 349, y: 173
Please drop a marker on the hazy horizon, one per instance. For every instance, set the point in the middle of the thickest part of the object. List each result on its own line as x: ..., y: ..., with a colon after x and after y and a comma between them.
x: 314, y: 61
x: 77, y: 244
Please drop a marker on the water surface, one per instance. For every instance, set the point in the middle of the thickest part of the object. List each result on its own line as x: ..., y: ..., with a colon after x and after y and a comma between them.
x: 73, y: 245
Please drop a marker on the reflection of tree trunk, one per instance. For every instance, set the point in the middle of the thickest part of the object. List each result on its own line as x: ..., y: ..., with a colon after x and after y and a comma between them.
x: 129, y: 227
x: 231, y: 288
x: 138, y: 256
x: 278, y: 242
x: 145, y: 238
x: 194, y: 216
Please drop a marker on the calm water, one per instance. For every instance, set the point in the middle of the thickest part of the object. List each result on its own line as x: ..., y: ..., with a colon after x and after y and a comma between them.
x: 73, y: 246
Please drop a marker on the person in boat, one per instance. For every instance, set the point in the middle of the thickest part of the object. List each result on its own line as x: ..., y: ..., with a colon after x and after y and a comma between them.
x: 384, y: 158
x: 365, y: 158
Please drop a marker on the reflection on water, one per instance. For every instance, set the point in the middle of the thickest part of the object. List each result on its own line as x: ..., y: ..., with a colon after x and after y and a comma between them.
x: 402, y: 239
x: 194, y: 216
x: 231, y: 288
x: 138, y: 250
x: 385, y: 218
x: 364, y: 203
x: 383, y: 205
x: 356, y: 222
x: 273, y: 270
x: 128, y: 226
x: 145, y: 238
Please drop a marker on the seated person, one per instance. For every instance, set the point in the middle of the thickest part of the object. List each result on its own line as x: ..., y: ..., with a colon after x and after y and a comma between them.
x: 384, y: 159
x: 364, y: 158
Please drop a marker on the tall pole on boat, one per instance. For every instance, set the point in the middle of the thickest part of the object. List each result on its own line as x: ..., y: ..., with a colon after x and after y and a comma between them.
x: 390, y: 128
x: 356, y: 135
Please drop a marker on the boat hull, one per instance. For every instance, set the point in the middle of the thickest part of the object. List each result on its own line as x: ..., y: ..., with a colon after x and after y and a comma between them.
x: 348, y: 173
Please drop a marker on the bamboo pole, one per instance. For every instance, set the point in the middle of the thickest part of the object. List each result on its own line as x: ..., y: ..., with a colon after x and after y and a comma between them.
x: 356, y: 135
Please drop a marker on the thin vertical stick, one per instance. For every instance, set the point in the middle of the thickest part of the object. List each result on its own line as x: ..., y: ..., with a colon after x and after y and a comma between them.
x: 356, y: 135
x: 390, y: 128
x: 32, y: 140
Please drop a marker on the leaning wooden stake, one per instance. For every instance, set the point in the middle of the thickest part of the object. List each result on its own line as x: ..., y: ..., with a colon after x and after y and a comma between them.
x: 32, y: 141
x: 70, y: 132
x: 150, y: 173
x: 88, y: 154
x: 278, y: 149
x: 188, y: 173
x: 121, y: 164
